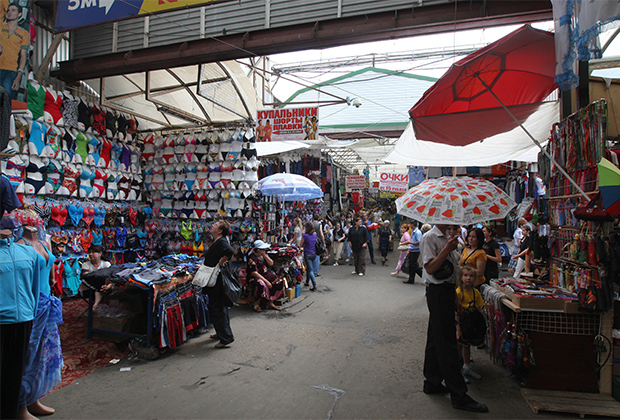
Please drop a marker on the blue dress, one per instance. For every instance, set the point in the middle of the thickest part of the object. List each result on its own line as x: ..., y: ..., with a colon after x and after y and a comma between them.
x: 44, y: 357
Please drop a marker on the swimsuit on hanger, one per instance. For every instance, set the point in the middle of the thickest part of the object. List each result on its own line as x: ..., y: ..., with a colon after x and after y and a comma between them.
x: 59, y: 215
x: 98, y: 120
x: 94, y: 146
x: 84, y: 115
x: 53, y: 142
x: 52, y: 183
x: 111, y: 122
x: 122, y: 124
x: 36, y: 101
x: 125, y: 157
x: 75, y: 213
x: 100, y: 214
x: 85, y: 238
x: 97, y: 238
x: 70, y: 112
x: 106, y: 150
x: 69, y: 144
x: 72, y: 276
x: 81, y: 143
x: 52, y: 105
x: 36, y: 143
x: 89, y: 216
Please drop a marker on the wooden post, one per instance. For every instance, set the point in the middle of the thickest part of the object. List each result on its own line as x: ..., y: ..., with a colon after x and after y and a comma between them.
x: 48, y: 56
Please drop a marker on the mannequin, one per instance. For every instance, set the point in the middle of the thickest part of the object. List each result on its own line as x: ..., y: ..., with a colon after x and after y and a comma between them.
x: 35, y: 169
x: 41, y: 363
x: 53, y: 104
x: 36, y: 98
x: 19, y: 294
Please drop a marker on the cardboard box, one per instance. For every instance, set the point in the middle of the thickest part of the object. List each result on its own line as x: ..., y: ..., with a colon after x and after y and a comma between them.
x: 290, y: 293
x: 124, y: 324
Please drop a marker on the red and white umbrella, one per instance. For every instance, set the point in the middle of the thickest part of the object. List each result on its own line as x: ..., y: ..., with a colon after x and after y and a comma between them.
x: 455, y: 201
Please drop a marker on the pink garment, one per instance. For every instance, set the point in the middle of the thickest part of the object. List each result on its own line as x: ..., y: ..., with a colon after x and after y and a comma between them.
x: 403, y: 254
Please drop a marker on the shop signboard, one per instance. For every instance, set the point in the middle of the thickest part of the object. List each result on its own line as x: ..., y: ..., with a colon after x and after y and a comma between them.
x: 388, y: 194
x: 392, y: 182
x: 288, y: 124
x: 356, y: 182
x: 72, y: 14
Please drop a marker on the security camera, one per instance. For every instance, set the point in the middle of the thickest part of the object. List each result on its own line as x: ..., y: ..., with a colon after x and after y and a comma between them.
x: 356, y: 103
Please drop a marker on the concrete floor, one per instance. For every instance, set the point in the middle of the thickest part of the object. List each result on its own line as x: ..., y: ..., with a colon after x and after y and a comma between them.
x: 351, y: 350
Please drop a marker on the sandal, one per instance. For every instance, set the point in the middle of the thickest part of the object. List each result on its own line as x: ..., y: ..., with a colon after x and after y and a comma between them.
x: 220, y: 345
x: 274, y: 307
x: 257, y: 309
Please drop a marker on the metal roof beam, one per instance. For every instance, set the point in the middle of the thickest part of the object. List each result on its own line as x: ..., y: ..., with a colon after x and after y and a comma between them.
x: 408, y: 22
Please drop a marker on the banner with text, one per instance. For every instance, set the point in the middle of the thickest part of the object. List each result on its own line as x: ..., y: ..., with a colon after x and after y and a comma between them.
x: 397, y: 183
x: 71, y: 14
x: 288, y: 124
x: 356, y: 182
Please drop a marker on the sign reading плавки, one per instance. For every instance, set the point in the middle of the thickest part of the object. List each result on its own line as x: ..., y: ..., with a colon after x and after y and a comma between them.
x: 398, y: 183
x: 288, y: 124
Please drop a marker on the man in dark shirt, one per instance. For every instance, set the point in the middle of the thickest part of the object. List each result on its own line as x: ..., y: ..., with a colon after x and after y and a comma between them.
x: 358, y: 240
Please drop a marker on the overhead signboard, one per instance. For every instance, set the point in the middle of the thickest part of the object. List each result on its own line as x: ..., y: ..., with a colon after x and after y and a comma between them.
x: 72, y: 14
x: 396, y: 183
x: 356, y: 182
x: 288, y: 124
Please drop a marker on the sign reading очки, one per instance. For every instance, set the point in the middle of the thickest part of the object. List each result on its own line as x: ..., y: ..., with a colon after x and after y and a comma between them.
x: 398, y: 183
x: 287, y: 124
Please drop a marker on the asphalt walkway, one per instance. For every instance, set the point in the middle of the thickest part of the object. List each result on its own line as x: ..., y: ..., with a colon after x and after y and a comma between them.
x: 351, y: 350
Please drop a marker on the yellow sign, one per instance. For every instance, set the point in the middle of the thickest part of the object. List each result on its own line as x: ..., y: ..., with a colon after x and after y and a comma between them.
x: 153, y: 6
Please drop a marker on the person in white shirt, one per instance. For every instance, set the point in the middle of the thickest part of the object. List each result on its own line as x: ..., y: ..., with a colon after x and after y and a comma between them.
x: 95, y: 263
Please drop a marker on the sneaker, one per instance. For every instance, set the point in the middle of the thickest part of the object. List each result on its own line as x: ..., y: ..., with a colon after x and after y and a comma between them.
x: 394, y: 274
x: 361, y: 274
x: 336, y: 264
x: 471, y: 373
x: 347, y: 260
x: 354, y: 272
x: 466, y: 379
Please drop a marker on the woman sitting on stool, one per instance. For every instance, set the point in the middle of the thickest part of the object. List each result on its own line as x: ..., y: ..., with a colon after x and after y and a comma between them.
x: 267, y: 285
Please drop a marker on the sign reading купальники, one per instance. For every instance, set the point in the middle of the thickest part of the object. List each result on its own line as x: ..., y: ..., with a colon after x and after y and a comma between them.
x: 72, y: 14
x: 288, y: 124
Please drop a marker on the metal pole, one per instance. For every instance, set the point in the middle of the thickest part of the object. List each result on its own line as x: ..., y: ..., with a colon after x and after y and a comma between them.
x: 562, y: 171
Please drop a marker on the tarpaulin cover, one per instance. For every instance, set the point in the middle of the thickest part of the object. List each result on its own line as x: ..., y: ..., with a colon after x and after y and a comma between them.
x: 500, y: 148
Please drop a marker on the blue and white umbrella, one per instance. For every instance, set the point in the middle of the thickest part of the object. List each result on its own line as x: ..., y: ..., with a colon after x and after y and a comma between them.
x: 290, y: 186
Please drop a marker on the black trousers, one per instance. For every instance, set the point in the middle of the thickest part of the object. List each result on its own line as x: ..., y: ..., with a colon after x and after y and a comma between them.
x: 371, y: 250
x: 218, y: 312
x: 414, y: 268
x: 359, y: 260
x: 441, y: 357
x: 14, y: 340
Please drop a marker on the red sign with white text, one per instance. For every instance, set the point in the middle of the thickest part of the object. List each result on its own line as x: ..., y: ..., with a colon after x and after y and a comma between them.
x: 398, y: 183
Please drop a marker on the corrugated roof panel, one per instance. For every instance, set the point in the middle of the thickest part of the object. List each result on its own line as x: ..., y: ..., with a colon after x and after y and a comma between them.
x: 357, y: 7
x: 302, y: 11
x: 173, y: 27
x: 93, y: 41
x: 130, y: 34
x: 235, y: 17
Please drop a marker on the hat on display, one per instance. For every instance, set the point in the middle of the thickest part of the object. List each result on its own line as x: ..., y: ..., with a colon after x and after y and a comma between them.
x: 258, y: 244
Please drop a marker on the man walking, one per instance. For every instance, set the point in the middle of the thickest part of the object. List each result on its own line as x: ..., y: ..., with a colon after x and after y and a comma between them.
x: 369, y: 226
x: 414, y: 254
x: 358, y: 240
x: 441, y: 358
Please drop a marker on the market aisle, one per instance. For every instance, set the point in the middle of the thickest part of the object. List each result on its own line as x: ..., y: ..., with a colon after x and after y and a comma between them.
x: 360, y: 340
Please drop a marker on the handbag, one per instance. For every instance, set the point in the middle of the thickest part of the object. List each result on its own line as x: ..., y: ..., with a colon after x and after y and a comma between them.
x: 445, y: 270
x: 231, y: 284
x: 403, y: 247
x: 206, y: 276
x: 319, y: 248
x: 592, y: 212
